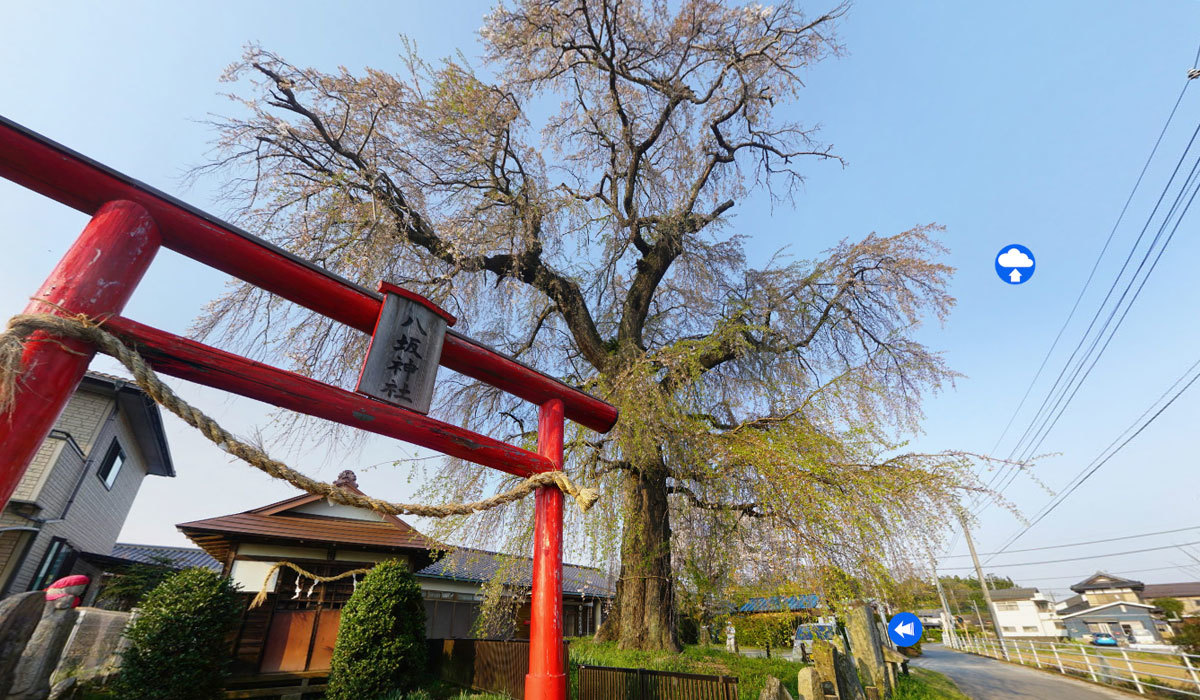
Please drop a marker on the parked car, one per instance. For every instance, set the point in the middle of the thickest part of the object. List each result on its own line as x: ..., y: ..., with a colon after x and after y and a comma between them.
x: 1103, y: 640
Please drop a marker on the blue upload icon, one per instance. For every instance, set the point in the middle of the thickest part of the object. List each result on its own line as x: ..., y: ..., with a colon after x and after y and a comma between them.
x: 1015, y: 264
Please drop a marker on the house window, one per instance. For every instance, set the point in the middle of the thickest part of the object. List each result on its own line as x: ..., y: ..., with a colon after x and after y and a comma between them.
x: 1008, y: 629
x: 57, y: 561
x: 1029, y: 629
x: 114, y: 459
x: 1007, y: 606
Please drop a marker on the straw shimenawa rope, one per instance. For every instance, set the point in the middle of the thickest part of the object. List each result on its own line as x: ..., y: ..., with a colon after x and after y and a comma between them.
x: 80, y: 327
x: 262, y: 592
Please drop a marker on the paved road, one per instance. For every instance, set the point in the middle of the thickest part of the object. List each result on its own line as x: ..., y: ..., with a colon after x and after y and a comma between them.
x: 987, y: 679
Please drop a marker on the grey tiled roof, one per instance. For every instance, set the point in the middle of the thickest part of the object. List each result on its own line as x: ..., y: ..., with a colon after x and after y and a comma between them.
x: 179, y: 557
x: 1013, y: 593
x: 1189, y: 589
x: 478, y: 565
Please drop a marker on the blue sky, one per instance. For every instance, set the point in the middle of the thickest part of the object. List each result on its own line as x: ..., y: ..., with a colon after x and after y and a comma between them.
x: 1005, y: 122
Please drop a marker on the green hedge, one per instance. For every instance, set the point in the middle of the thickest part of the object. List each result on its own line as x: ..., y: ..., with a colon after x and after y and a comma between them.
x: 381, y: 641
x: 179, y: 643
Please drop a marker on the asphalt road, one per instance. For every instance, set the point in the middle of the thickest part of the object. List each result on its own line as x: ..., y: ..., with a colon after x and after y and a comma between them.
x: 987, y: 679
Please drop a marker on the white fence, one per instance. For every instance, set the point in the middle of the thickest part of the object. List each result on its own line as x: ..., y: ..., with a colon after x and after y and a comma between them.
x: 1167, y: 672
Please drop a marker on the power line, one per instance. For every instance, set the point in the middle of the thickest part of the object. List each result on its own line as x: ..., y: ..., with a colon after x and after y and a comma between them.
x: 1084, y: 476
x: 1014, y: 469
x: 1091, y: 274
x: 1096, y: 357
x: 1114, y: 573
x: 1080, y: 544
x: 1085, y: 558
x: 1191, y: 178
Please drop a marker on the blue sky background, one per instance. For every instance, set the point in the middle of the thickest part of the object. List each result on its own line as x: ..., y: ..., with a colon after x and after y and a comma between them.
x: 1021, y: 122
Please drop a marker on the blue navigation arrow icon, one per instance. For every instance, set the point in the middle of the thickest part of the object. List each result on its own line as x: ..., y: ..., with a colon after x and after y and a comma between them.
x: 905, y: 629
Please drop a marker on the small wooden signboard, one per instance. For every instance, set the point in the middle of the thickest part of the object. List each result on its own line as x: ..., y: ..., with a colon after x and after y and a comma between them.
x: 405, y: 350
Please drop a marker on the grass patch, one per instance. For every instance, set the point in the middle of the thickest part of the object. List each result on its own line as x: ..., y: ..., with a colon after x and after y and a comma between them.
x: 923, y: 684
x: 711, y: 661
x: 439, y: 690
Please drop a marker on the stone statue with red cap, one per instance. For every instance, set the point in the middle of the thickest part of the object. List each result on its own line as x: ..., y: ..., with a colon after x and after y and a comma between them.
x: 31, y: 681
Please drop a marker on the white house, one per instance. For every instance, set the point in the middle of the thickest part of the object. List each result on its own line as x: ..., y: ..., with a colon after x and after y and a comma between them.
x: 1025, y: 612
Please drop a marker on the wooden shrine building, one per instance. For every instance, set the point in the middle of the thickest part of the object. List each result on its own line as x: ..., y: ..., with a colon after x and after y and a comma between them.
x: 295, y: 630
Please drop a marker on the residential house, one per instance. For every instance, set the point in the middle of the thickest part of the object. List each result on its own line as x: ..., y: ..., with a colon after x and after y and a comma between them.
x: 1186, y: 593
x: 1133, y: 622
x: 931, y: 618
x: 1101, y: 588
x: 1025, y: 612
x: 66, y: 512
x: 295, y: 630
x: 1108, y: 604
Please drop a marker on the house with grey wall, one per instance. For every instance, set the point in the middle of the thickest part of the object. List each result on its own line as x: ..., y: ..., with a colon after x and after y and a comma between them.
x: 1132, y: 622
x: 71, y: 504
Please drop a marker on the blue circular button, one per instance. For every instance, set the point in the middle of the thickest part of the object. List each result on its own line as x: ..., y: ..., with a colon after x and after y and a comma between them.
x: 1015, y: 264
x: 905, y: 629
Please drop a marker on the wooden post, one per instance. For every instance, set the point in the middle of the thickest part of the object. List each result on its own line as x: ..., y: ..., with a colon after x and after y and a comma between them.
x: 547, y: 678
x: 96, y: 277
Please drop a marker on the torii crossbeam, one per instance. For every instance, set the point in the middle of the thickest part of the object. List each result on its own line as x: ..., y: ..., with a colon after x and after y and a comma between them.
x: 131, y: 221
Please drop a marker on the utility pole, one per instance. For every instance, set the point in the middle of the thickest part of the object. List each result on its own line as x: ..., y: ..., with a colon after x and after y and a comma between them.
x: 987, y: 595
x: 947, y: 619
x: 978, y: 617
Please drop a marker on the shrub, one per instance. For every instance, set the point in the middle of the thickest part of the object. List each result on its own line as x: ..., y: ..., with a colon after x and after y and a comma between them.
x: 381, y: 641
x: 134, y: 582
x: 1173, y: 607
x: 178, y: 644
x: 689, y: 629
x: 1188, y: 637
x: 766, y: 630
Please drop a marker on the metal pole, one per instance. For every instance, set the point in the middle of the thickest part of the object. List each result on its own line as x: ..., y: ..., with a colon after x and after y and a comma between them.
x: 947, y: 619
x: 95, y: 277
x: 547, y: 678
x: 987, y: 595
x: 979, y: 618
x: 1191, y: 670
x: 1132, y: 673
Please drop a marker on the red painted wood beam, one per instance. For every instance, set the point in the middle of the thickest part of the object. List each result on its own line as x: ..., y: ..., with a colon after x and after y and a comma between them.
x: 39, y: 164
x: 187, y: 359
x: 96, y: 277
x: 547, y: 677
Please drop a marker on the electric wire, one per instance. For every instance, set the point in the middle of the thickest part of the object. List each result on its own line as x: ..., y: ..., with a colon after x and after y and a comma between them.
x: 1124, y: 314
x: 1001, y: 472
x: 1189, y: 183
x: 1082, y: 558
x: 1095, y: 265
x: 1080, y: 544
x: 1103, y: 459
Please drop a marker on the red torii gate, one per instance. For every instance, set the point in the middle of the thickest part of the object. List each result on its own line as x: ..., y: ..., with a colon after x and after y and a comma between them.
x: 131, y: 221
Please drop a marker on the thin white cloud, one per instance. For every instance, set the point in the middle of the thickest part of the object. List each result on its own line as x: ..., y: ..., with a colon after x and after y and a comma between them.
x: 1014, y: 258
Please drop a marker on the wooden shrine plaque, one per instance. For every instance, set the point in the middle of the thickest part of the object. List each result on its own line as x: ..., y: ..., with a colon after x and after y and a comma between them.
x: 402, y: 360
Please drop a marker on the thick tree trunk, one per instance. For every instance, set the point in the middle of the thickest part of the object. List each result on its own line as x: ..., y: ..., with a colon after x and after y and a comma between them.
x: 643, y: 613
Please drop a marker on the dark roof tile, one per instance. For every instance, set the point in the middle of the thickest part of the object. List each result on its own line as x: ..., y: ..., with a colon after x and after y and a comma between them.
x: 478, y: 565
x: 178, y: 557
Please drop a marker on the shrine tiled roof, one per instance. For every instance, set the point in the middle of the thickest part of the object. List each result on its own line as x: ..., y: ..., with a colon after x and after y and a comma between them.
x: 781, y: 603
